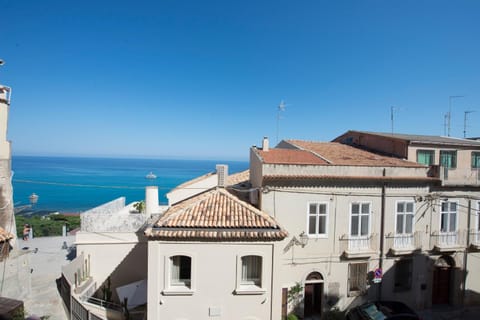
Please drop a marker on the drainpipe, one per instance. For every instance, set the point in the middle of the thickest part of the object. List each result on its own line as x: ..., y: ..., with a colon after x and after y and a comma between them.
x: 466, y: 253
x: 382, y: 231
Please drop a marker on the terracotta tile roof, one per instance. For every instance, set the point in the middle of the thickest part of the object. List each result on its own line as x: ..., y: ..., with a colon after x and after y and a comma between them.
x: 239, y: 177
x: 343, y: 155
x: 215, y: 215
x: 290, y: 156
x: 4, y: 235
x: 331, y: 177
x: 232, y: 179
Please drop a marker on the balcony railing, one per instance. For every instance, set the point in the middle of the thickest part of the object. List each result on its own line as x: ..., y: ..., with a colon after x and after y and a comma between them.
x: 355, y: 247
x: 457, y: 176
x: 404, y: 243
x: 449, y: 241
x: 475, y: 239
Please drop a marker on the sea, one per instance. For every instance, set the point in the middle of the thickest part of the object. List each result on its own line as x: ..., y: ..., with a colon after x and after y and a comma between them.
x: 75, y: 184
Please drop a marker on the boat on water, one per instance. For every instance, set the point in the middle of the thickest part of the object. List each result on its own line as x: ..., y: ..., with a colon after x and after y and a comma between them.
x: 151, y: 175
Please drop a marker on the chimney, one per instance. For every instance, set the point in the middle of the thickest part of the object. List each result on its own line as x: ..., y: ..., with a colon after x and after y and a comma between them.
x: 151, y: 200
x: 265, y: 144
x: 222, y: 174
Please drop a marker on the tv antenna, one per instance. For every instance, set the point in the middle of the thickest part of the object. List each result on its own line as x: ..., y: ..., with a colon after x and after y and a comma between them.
x: 394, y: 109
x: 465, y: 113
x: 449, y: 114
x: 281, y: 107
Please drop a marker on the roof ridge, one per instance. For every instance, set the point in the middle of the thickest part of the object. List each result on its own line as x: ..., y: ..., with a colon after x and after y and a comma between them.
x: 251, y: 208
x: 308, y: 150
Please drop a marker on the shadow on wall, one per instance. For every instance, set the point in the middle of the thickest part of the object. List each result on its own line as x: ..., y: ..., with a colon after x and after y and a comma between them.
x: 132, y: 268
x: 419, y: 280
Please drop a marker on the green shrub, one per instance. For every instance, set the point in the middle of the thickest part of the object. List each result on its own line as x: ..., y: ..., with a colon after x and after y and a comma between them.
x: 292, y: 316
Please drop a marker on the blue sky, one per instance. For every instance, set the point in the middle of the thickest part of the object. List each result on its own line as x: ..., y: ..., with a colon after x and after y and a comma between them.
x: 203, y: 79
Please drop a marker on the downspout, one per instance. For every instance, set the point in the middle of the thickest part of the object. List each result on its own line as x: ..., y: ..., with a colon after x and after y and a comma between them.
x: 382, y: 231
x: 466, y: 253
x: 271, y: 282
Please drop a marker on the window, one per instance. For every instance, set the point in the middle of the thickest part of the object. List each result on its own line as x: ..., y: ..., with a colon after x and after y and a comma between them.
x: 425, y: 157
x: 448, y: 217
x: 475, y: 160
x: 357, y: 278
x: 404, y: 217
x: 181, y: 271
x: 250, y: 275
x: 403, y: 275
x: 359, y: 219
x: 448, y: 159
x: 317, y: 218
x: 251, y: 271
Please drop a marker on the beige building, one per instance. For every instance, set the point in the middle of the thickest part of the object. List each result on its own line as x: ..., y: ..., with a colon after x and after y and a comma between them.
x: 454, y: 236
x: 336, y: 202
x: 7, y: 220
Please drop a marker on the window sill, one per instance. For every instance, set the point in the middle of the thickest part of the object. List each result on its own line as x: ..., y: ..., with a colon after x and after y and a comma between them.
x: 178, y: 291
x: 249, y: 290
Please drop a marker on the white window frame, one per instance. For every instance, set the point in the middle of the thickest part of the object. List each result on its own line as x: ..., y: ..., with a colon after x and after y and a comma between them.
x: 351, y: 292
x: 448, y: 220
x: 405, y: 214
x: 175, y: 288
x: 317, y: 215
x: 250, y: 288
x: 370, y: 214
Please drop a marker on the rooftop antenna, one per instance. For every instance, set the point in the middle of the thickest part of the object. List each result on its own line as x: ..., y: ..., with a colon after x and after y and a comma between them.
x: 281, y: 108
x: 465, y: 113
x: 449, y: 114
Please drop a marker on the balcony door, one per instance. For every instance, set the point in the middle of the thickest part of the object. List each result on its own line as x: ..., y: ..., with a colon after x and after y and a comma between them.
x: 359, y: 226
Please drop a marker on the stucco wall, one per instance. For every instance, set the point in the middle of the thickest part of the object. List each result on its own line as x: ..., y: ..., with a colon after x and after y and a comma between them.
x: 214, y: 281
x: 122, y: 256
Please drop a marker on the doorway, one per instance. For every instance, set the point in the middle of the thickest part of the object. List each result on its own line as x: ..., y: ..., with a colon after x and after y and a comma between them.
x: 313, y: 296
x: 442, y: 278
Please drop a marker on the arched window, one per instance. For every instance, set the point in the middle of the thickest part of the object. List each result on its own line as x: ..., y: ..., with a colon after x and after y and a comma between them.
x: 314, y: 276
x: 181, y: 271
x: 251, y: 270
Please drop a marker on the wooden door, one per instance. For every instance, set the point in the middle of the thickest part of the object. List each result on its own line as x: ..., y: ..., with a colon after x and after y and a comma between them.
x: 284, y: 303
x: 441, y: 285
x: 313, y: 299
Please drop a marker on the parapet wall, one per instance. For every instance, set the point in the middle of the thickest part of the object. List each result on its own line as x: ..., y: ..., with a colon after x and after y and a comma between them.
x: 113, y: 216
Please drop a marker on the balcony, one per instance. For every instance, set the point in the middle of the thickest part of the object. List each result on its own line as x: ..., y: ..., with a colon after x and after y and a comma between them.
x: 449, y: 241
x: 457, y: 176
x: 358, y: 247
x: 404, y: 244
x: 475, y: 240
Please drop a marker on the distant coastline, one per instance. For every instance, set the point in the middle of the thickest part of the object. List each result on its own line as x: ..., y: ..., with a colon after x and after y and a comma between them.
x: 76, y: 184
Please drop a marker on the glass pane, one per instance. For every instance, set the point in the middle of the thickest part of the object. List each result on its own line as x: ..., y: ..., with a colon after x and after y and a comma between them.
x: 400, y: 207
x: 365, y: 207
x: 322, y: 224
x: 453, y: 222
x: 354, y: 231
x: 399, y: 223
x: 444, y: 206
x: 313, y: 209
x: 443, y: 222
x: 322, y: 208
x: 453, y: 206
x: 364, y: 225
x: 409, y: 224
x: 410, y: 207
x: 312, y: 229
x: 355, y: 208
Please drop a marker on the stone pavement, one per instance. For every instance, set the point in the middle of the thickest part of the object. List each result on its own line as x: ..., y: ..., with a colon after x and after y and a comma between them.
x: 30, y: 274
